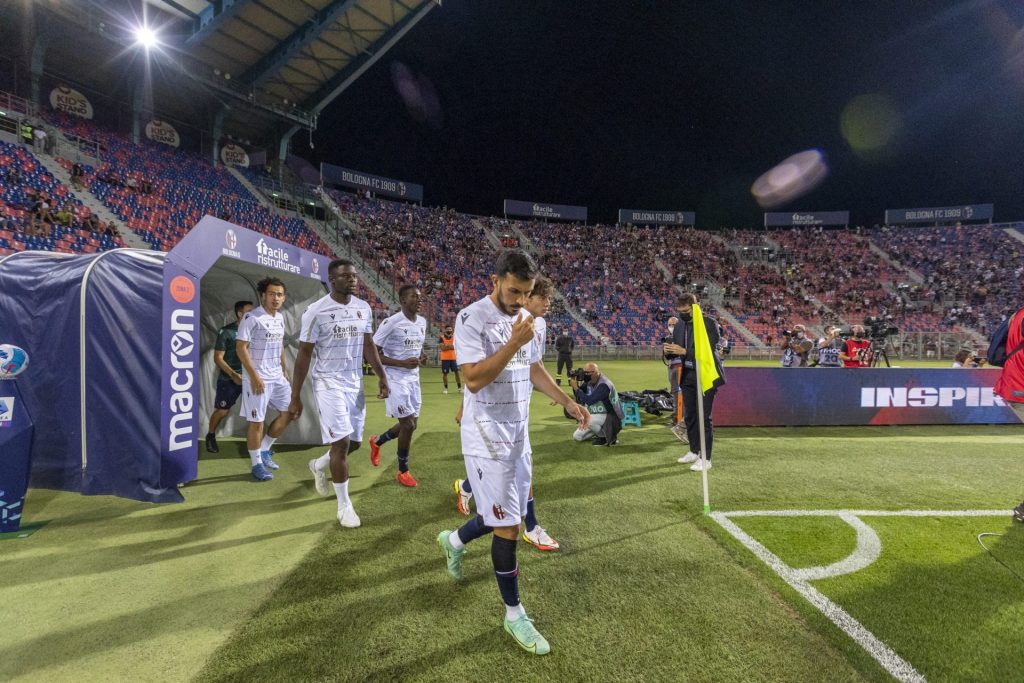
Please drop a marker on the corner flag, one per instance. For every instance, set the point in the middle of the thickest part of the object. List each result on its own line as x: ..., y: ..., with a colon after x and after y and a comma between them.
x: 703, y: 354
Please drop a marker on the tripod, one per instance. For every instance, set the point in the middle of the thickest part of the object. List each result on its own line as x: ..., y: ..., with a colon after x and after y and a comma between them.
x: 877, y: 351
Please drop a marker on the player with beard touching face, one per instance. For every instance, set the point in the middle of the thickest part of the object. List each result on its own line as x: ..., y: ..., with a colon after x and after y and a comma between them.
x: 501, y: 364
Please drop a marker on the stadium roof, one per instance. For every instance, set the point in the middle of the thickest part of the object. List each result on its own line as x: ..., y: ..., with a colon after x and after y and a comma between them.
x: 284, y: 59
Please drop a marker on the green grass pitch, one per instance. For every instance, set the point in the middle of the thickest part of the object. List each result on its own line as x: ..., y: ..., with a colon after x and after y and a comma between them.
x: 253, y: 582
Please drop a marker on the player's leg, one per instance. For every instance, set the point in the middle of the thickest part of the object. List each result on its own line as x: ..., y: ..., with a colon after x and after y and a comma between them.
x: 444, y: 375
x: 279, y: 395
x: 337, y: 428
x: 407, y: 425
x: 378, y: 440
x: 226, y: 396
x: 211, y: 435
x: 533, y: 532
x: 506, y: 565
x: 254, y: 410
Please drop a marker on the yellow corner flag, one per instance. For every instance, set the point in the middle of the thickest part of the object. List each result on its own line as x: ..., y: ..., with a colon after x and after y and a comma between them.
x: 703, y: 354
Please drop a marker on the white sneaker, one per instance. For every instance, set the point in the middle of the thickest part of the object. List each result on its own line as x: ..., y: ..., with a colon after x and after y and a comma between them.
x: 320, y: 479
x: 680, y: 432
x: 348, y: 518
x: 540, y: 539
x: 701, y: 465
x: 445, y: 391
x: 689, y: 457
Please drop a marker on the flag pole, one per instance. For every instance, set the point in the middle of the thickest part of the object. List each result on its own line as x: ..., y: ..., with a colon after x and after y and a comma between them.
x: 703, y: 437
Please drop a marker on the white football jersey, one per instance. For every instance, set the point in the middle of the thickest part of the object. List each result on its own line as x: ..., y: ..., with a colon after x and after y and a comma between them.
x: 337, y: 331
x: 540, y: 334
x: 265, y: 334
x: 496, y: 418
x: 401, y: 339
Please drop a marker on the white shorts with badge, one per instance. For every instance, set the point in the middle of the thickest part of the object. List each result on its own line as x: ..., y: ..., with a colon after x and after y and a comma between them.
x: 404, y: 399
x: 342, y: 410
x: 501, y: 488
x: 277, y: 394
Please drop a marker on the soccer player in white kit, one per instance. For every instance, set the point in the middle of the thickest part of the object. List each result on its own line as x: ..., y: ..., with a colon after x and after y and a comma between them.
x: 338, y: 327
x: 260, y: 347
x: 501, y: 365
x: 538, y: 304
x: 399, y: 341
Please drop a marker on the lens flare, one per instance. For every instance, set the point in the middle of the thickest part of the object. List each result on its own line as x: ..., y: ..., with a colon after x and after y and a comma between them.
x: 794, y: 177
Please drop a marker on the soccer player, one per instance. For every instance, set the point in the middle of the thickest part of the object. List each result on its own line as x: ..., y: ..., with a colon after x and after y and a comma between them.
x: 339, y: 328
x: 448, y: 363
x: 501, y: 363
x: 399, y: 341
x: 538, y: 305
x: 229, y: 380
x: 260, y: 347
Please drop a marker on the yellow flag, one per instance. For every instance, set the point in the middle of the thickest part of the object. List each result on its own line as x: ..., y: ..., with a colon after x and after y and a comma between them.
x: 703, y: 354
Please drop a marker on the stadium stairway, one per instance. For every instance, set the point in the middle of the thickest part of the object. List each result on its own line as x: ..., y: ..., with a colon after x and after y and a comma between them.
x: 1015, y: 234
x: 90, y: 200
x: 912, y: 274
x: 382, y: 288
x: 256, y: 194
x: 526, y: 244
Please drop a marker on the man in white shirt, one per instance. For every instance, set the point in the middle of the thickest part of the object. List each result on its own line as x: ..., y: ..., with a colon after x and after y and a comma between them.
x: 538, y: 304
x: 260, y: 347
x: 399, y: 341
x: 338, y: 327
x: 501, y: 365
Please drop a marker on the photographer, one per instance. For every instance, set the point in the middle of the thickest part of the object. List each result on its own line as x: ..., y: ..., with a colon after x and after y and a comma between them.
x: 598, y: 395
x: 830, y: 347
x: 796, y: 346
x: 673, y: 361
x: 856, y: 350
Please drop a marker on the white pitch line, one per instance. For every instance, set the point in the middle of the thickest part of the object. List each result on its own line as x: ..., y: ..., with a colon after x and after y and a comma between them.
x: 869, y: 547
x: 867, y: 513
x: 898, y: 667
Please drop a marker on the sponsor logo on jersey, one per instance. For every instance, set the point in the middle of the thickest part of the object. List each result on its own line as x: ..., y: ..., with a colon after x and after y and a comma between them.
x: 6, y: 411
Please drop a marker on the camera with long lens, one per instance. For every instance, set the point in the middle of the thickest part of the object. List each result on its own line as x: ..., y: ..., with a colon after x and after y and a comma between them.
x: 578, y: 374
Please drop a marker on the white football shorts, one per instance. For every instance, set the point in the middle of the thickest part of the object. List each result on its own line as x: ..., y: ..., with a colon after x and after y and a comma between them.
x: 277, y: 394
x: 501, y: 488
x: 342, y: 410
x: 403, y: 399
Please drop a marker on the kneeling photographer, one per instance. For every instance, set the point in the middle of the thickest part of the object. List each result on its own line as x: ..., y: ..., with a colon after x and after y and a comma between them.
x: 597, y: 393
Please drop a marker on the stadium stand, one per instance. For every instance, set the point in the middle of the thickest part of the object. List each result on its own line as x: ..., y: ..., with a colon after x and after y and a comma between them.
x: 32, y: 206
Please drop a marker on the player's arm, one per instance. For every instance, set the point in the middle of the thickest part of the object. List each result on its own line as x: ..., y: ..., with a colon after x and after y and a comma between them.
x: 302, y: 361
x: 371, y: 356
x: 394, y: 362
x: 242, y: 349
x: 479, y: 375
x: 218, y: 358
x: 544, y: 383
x: 284, y: 365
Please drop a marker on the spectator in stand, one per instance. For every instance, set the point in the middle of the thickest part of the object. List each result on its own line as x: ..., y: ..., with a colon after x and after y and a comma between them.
x: 42, y: 217
x: 92, y: 223
x: 77, y: 175
x: 66, y: 215
x: 111, y: 230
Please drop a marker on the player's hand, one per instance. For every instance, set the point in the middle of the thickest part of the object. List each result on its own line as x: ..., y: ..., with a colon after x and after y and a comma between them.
x: 458, y: 415
x: 383, y: 389
x: 579, y: 413
x: 237, y: 379
x: 295, y: 408
x: 674, y: 348
x: 522, y: 331
x: 412, y: 363
x: 257, y: 385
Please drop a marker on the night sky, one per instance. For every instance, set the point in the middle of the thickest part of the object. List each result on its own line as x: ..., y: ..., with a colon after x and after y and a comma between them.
x: 681, y: 106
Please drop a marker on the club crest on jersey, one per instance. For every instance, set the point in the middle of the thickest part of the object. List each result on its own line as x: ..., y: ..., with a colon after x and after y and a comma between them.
x: 498, y: 512
x: 359, y: 314
x: 254, y: 414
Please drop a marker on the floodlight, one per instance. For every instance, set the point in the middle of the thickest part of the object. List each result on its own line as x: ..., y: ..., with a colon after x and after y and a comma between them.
x: 146, y: 37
